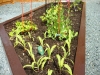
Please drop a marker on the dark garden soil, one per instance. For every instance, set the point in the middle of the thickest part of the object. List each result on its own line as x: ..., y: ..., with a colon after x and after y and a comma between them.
x: 23, y: 55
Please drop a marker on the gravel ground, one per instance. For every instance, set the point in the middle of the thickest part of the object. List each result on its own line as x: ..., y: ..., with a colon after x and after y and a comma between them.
x: 9, y: 11
x: 92, y: 37
x: 4, y: 64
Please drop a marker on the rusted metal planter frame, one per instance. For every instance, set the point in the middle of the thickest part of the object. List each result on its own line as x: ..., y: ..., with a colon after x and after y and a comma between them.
x: 15, y: 64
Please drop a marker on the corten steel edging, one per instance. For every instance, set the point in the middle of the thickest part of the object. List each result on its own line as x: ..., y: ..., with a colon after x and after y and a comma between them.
x: 14, y: 61
x: 16, y: 67
x: 79, y: 67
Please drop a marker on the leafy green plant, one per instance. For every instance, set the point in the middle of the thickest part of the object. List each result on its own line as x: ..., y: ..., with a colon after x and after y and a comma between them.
x: 71, y: 35
x: 50, y: 72
x: 50, y: 50
x: 60, y: 61
x: 30, y: 52
x: 63, y: 65
x: 68, y: 69
x: 30, y: 36
x: 36, y: 64
x: 41, y: 62
x: 30, y: 66
x: 19, y: 41
x: 41, y: 41
x: 22, y: 27
x: 65, y: 52
x: 75, y: 4
x: 51, y: 17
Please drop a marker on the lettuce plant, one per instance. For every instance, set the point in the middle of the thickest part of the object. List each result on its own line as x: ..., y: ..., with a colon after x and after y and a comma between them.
x: 22, y: 27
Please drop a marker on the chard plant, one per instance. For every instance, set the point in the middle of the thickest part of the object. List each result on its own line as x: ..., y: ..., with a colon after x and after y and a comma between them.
x: 50, y: 50
x: 50, y: 72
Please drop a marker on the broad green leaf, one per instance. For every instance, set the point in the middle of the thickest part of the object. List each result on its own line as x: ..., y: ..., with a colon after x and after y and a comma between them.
x: 62, y: 62
x: 65, y: 53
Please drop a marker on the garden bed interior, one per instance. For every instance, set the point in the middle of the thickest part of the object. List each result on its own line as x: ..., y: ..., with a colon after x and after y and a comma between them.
x: 77, y: 46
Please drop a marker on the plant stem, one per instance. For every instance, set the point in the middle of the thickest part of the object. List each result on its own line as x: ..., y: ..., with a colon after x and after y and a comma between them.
x: 68, y: 4
x: 68, y: 7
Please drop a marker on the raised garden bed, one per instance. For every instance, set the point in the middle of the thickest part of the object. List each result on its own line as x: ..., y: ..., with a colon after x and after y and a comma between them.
x: 77, y: 48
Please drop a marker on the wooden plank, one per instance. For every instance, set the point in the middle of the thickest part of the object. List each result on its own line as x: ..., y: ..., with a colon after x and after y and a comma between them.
x: 0, y: 1
x: 6, y: 0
